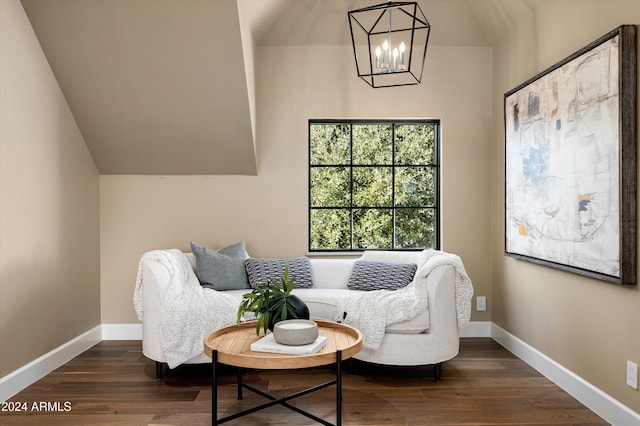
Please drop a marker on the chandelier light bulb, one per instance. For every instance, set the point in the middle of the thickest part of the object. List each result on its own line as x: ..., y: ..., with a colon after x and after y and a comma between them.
x: 385, y: 67
x: 395, y: 58
x: 401, y: 66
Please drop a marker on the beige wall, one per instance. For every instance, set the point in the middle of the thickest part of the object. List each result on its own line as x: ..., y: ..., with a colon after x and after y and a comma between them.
x: 589, y: 326
x: 269, y: 211
x: 49, y: 211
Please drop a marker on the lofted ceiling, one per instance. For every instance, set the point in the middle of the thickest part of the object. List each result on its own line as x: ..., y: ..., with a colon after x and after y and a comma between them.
x: 166, y: 86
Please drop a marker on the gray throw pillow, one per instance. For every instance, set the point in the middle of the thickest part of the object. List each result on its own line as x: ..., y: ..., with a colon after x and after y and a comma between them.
x: 260, y: 270
x: 370, y: 275
x: 221, y: 269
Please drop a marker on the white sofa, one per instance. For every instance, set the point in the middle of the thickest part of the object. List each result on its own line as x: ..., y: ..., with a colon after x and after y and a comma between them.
x: 429, y: 339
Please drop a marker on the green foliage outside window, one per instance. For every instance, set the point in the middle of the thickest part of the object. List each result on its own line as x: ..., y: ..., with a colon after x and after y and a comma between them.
x: 373, y: 185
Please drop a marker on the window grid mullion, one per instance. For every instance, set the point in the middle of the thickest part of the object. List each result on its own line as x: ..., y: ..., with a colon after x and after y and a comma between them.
x: 351, y: 227
x: 393, y: 186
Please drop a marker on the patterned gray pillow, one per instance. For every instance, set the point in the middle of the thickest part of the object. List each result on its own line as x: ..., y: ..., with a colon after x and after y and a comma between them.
x: 260, y: 270
x: 370, y: 275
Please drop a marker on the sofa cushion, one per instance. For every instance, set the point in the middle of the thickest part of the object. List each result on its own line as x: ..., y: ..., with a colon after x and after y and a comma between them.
x: 331, y: 273
x: 370, y: 275
x: 419, y: 324
x: 322, y: 304
x: 221, y: 269
x: 260, y: 270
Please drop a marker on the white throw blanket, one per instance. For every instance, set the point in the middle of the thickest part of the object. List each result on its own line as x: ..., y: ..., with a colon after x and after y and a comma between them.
x: 464, y: 287
x: 189, y: 311
x: 372, y: 311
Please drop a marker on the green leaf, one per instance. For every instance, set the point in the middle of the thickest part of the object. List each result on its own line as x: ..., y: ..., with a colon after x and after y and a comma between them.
x: 269, y: 300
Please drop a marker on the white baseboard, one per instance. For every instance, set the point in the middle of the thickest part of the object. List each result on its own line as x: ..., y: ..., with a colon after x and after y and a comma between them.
x: 593, y: 398
x: 477, y: 329
x: 121, y: 331
x: 30, y: 373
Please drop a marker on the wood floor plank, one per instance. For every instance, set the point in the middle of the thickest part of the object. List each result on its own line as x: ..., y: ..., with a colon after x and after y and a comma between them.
x: 114, y: 384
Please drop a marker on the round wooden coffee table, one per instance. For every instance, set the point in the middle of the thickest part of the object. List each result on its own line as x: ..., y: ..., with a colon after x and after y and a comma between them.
x: 232, y: 346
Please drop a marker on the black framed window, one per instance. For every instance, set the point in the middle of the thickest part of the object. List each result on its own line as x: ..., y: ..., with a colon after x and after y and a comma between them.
x: 374, y: 184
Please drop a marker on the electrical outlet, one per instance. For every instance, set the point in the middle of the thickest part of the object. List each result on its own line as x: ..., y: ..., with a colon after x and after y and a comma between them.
x: 632, y: 375
x: 481, y: 303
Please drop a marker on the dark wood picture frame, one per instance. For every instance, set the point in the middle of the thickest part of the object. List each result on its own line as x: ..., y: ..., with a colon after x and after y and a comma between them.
x: 570, y: 162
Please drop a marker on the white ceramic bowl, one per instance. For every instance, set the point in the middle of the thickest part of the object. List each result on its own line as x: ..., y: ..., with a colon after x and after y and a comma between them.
x: 295, y: 332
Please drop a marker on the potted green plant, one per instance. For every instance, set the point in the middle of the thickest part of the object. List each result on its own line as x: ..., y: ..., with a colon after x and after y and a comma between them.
x: 273, y: 302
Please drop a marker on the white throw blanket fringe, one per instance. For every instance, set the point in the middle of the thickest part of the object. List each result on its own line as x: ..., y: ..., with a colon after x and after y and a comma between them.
x: 372, y: 311
x: 189, y: 311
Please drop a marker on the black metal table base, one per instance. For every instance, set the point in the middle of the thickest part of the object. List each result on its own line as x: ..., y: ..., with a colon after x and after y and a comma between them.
x: 272, y: 399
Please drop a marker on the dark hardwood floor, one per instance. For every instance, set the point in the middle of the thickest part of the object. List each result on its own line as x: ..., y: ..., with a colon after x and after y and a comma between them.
x: 114, y: 384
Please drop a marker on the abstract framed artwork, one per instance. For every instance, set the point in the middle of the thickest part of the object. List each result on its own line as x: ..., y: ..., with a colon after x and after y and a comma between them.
x: 570, y: 162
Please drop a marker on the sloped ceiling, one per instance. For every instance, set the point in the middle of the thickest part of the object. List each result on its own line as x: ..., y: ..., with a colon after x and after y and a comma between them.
x: 163, y: 87
x: 156, y: 86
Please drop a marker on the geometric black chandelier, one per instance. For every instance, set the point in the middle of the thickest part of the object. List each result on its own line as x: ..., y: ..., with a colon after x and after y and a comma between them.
x: 389, y: 43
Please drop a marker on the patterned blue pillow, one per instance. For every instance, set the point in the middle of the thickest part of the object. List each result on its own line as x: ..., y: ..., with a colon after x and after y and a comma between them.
x: 370, y: 275
x: 260, y: 270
